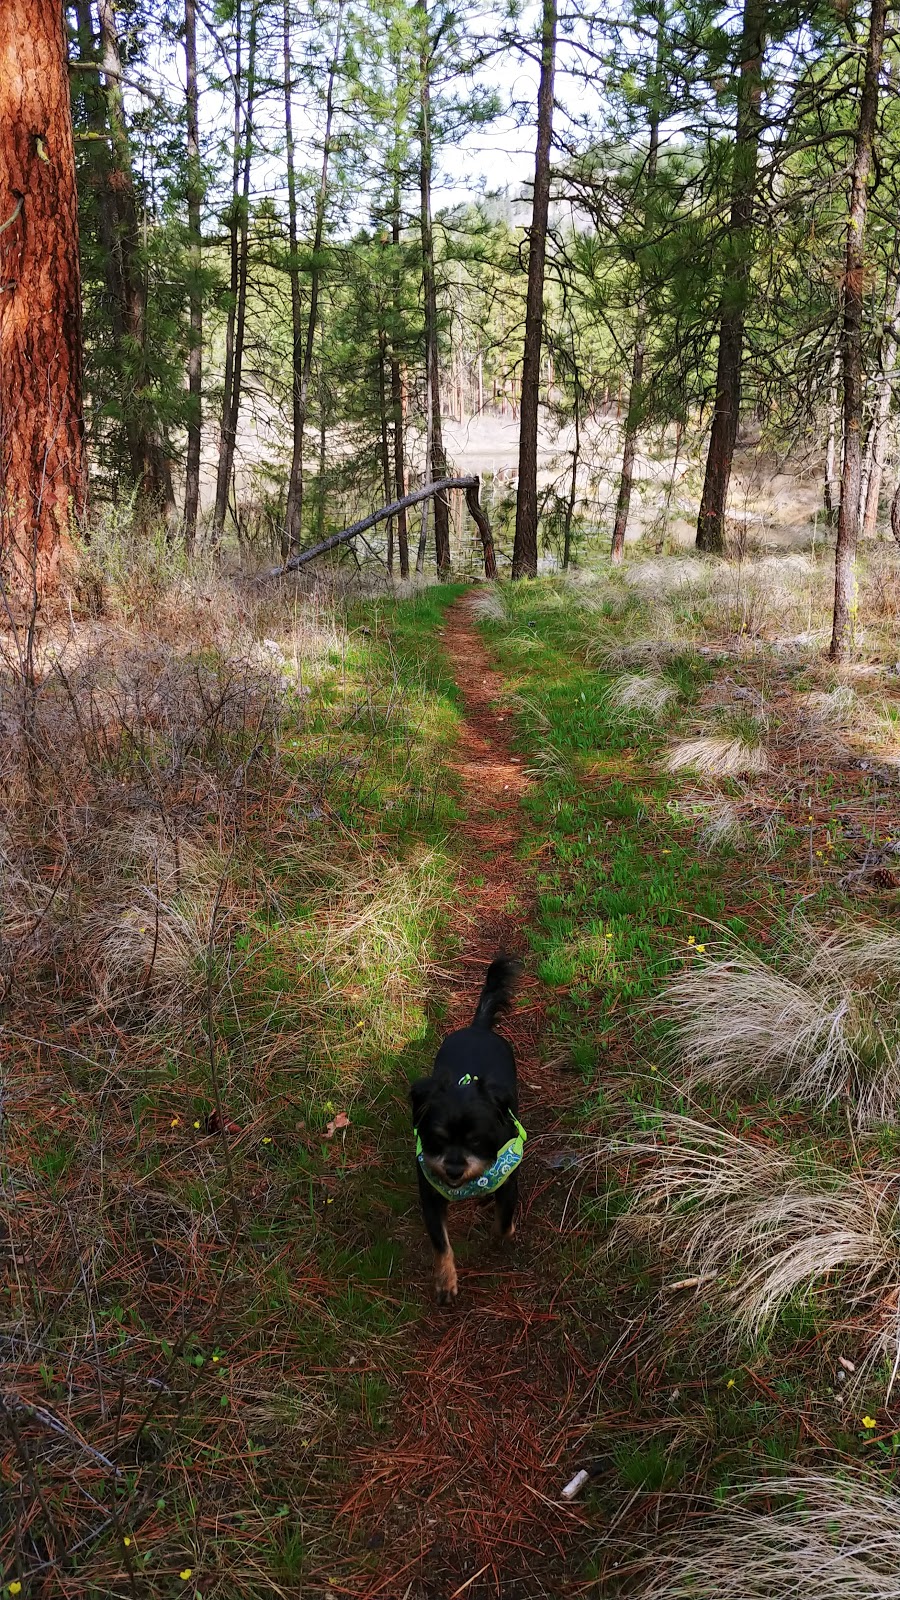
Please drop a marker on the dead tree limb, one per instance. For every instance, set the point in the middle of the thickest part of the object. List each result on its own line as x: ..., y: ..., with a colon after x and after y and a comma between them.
x: 471, y: 485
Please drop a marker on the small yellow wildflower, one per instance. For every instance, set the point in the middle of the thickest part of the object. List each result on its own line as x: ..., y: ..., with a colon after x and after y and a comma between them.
x: 267, y: 1141
x: 15, y: 1587
x: 217, y: 1358
x: 185, y: 1573
x: 360, y: 1025
x: 691, y: 939
x: 330, y: 1201
x: 196, y: 1124
x: 869, y: 1422
x: 818, y: 852
x: 700, y: 949
x: 126, y: 1541
x: 652, y: 1067
x: 730, y: 1383
x: 174, y: 1123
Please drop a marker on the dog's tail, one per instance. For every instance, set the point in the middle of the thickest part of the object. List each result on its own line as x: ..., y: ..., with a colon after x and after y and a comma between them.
x: 498, y: 990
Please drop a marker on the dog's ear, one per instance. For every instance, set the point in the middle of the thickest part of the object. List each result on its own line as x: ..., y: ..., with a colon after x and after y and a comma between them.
x: 419, y: 1096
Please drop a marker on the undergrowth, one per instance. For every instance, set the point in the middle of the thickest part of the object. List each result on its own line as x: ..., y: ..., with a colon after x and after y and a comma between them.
x: 688, y: 827
x: 223, y: 821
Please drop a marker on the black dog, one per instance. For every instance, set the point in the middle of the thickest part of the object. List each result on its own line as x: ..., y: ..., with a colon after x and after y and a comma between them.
x: 468, y: 1137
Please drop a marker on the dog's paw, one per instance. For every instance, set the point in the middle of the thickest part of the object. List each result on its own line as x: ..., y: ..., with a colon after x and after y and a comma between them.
x: 446, y: 1288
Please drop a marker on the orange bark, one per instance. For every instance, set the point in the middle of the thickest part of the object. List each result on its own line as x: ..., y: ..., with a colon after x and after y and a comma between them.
x: 42, y: 473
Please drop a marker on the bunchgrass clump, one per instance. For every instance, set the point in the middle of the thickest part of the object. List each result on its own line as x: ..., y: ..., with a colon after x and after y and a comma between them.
x: 716, y: 756
x: 822, y: 1024
x: 647, y: 694
x: 759, y: 1225
x: 822, y: 1536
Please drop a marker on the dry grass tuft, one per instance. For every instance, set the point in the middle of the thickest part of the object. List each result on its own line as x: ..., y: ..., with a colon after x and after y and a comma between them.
x: 490, y: 604
x: 642, y: 692
x: 826, y: 1023
x: 548, y: 761
x: 758, y: 1225
x: 717, y: 821
x: 830, y: 1538
x: 716, y: 757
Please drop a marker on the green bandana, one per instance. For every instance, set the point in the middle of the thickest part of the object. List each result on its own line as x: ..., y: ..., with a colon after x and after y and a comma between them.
x: 496, y: 1174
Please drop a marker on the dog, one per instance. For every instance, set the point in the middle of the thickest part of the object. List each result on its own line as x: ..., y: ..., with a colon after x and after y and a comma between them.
x: 469, y: 1140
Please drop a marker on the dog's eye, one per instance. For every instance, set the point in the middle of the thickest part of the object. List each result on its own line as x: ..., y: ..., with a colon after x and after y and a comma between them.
x: 439, y: 1135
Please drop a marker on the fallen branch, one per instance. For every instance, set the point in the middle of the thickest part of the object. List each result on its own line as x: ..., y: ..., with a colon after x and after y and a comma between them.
x: 471, y: 485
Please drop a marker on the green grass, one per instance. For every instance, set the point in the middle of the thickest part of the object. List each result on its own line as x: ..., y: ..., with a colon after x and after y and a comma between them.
x: 235, y: 1293
x: 621, y: 890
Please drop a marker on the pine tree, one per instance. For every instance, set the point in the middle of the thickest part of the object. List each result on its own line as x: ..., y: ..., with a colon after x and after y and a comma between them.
x: 525, y: 548
x: 738, y: 250
x: 42, y: 475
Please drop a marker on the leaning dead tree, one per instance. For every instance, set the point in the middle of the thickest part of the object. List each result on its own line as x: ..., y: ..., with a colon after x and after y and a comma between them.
x: 471, y: 485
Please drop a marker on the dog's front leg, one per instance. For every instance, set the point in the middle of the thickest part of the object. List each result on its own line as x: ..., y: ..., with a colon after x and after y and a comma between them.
x: 505, y: 1201
x: 434, y: 1213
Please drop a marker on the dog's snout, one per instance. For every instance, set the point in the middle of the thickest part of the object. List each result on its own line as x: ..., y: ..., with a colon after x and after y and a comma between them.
x: 455, y: 1167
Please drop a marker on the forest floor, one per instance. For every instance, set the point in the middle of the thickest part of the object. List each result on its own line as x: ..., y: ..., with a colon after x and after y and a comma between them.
x: 257, y: 849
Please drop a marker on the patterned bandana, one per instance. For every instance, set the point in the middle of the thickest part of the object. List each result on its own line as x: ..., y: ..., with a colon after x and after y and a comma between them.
x: 496, y: 1174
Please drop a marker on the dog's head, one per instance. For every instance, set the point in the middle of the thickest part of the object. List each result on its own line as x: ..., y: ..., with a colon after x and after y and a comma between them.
x: 461, y: 1126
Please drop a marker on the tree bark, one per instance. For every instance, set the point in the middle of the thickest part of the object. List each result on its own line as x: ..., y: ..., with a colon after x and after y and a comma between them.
x: 396, y: 371
x: 303, y: 348
x: 195, y: 289
x: 436, y: 463
x: 384, y: 440
x: 239, y: 240
x: 852, y: 343
x: 735, y: 294
x: 573, y: 481
x: 635, y: 392
x: 150, y: 465
x: 874, y: 468
x: 525, y: 545
x: 42, y: 473
x: 831, y: 444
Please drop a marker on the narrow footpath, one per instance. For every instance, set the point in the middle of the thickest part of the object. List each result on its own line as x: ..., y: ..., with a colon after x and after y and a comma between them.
x: 463, y: 1495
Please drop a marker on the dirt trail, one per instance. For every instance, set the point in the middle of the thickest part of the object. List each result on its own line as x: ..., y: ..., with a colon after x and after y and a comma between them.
x: 465, y: 1493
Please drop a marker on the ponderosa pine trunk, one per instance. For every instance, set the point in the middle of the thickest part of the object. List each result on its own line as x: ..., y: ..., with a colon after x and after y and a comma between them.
x: 238, y: 251
x: 738, y: 247
x: 831, y: 443
x: 42, y: 474
x: 436, y: 459
x: 396, y: 370
x: 303, y: 348
x: 195, y: 287
x: 852, y: 343
x: 872, y: 477
x: 383, y: 398
x: 150, y: 466
x: 525, y: 545
x: 635, y: 392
